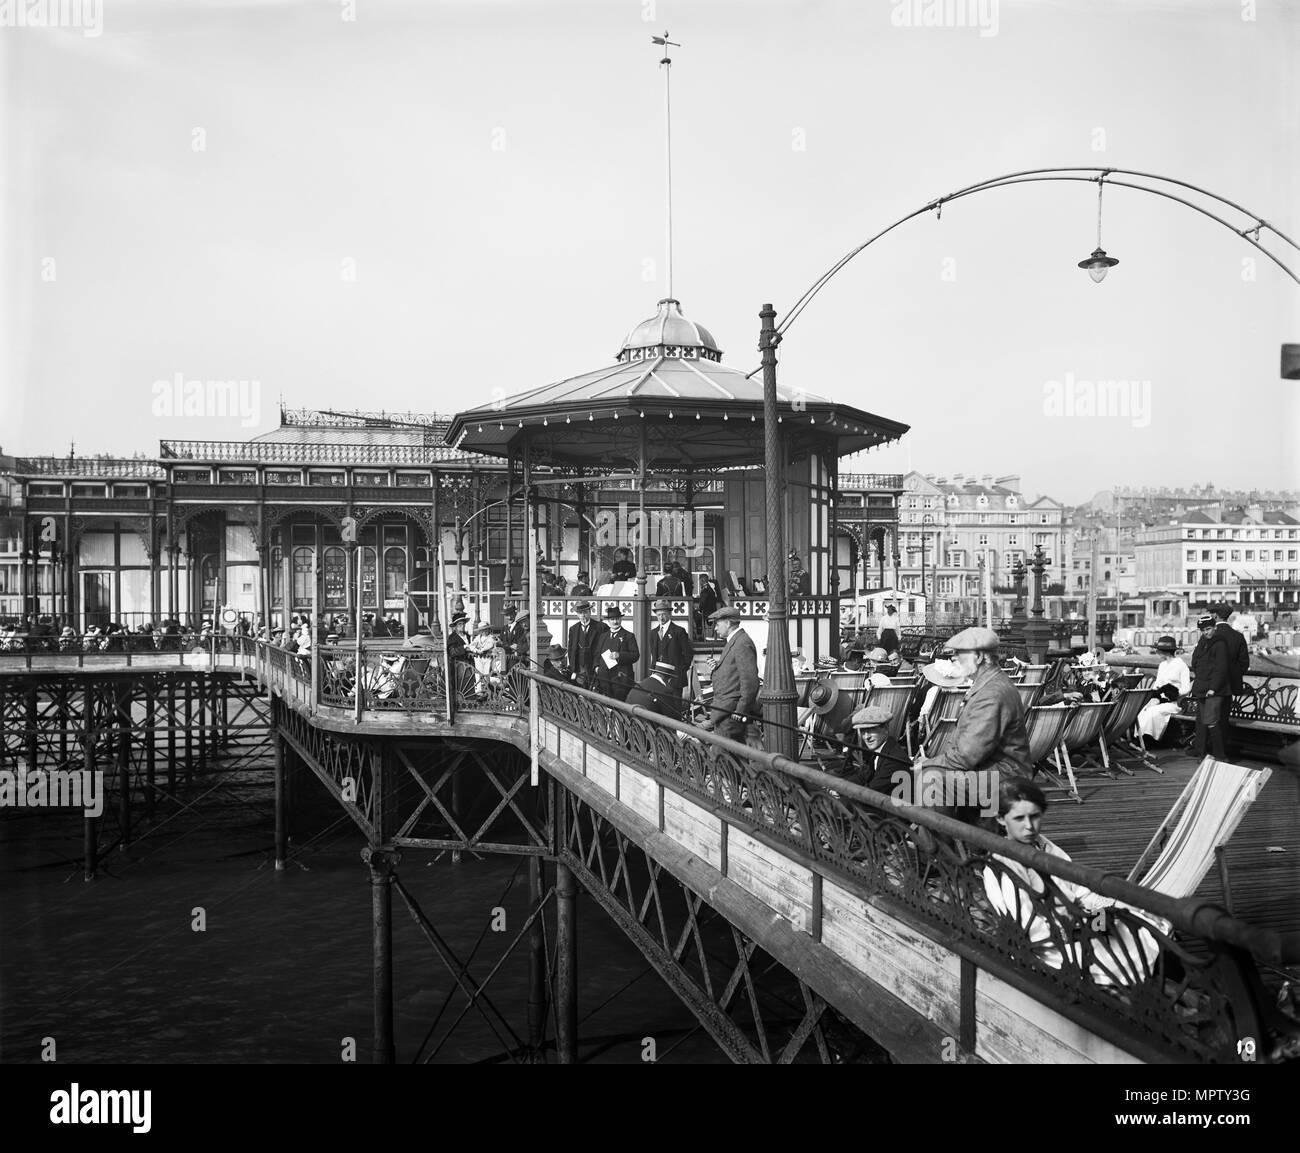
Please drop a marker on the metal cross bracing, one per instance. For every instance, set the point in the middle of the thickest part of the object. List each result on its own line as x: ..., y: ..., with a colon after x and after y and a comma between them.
x: 754, y: 1009
x: 142, y: 730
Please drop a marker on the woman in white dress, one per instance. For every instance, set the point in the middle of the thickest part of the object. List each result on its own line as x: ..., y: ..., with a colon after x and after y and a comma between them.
x: 1119, y: 956
x: 1172, y: 674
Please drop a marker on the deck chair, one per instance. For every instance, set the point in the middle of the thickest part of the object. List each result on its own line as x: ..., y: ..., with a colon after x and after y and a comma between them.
x: 1029, y: 693
x: 1082, y: 732
x: 1045, y: 726
x: 1035, y: 674
x: 1117, y: 733
x: 1198, y: 827
x: 939, y: 736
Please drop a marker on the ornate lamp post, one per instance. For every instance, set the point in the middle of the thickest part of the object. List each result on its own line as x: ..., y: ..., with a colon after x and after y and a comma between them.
x: 1037, y: 630
x: 778, y: 694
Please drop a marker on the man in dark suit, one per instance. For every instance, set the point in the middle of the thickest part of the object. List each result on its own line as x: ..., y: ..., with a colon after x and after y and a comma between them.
x: 670, y: 642
x: 616, y: 658
x: 553, y: 666
x: 659, y: 692
x: 707, y: 603
x: 1211, y: 688
x: 735, y: 677
x: 1238, y: 647
x: 584, y: 644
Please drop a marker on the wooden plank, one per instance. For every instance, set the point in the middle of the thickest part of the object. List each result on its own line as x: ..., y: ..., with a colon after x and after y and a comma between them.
x: 571, y: 748
x: 918, y: 971
x: 639, y: 793
x: 601, y: 770
x: 694, y: 828
x: 771, y: 877
x: 1016, y: 1029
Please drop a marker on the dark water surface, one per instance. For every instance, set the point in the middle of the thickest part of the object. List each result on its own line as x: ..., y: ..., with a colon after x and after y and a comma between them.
x: 113, y: 971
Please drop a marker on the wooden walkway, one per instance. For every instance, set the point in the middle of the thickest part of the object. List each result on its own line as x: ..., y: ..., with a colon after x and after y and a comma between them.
x: 1118, y: 817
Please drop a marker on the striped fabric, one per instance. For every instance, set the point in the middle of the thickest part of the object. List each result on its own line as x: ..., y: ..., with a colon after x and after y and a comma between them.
x: 1214, y: 802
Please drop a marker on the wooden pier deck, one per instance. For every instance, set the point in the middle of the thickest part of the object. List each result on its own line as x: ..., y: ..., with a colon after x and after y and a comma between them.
x: 1118, y: 817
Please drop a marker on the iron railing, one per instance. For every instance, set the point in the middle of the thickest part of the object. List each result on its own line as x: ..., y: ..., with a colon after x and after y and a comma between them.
x: 108, y: 467
x: 313, y: 452
x: 1163, y: 978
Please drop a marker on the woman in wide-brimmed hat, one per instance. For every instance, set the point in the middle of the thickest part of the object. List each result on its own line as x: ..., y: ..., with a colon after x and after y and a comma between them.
x: 1173, y: 682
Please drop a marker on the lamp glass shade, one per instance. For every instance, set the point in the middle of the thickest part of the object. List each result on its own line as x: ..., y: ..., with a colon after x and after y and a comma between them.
x: 1098, y: 271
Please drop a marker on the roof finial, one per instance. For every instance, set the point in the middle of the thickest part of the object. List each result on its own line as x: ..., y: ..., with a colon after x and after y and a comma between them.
x: 667, y: 65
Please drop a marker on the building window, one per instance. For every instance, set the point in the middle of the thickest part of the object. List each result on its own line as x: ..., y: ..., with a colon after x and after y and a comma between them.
x: 1250, y: 554
x: 983, y: 539
x: 412, y: 480
x: 303, y: 572
x: 1042, y: 519
x: 191, y: 475
x: 1205, y: 554
x: 1013, y: 539
x: 1191, y: 554
x: 1206, y: 576
x: 90, y: 490
x: 1191, y: 576
x: 283, y: 476
x: 1235, y: 554
x: 984, y: 518
x: 130, y: 490
x: 1220, y: 555
x: 330, y: 478
x: 1277, y: 554
x: 1219, y: 577
x: 335, y: 571
x: 237, y: 476
x: 375, y: 479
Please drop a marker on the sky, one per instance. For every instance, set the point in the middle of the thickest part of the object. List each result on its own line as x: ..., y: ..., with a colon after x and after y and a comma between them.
x: 420, y: 206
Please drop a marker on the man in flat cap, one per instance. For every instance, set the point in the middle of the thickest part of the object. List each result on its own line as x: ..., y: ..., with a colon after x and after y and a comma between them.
x: 660, y: 692
x: 990, y: 736
x: 616, y: 657
x: 735, y: 677
x: 670, y: 642
x: 584, y: 642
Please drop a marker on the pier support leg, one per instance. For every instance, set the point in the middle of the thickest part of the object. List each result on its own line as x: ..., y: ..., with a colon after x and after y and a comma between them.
x: 566, y: 965
x: 189, y: 730
x: 281, y: 801
x: 150, y: 748
x: 201, y: 697
x: 89, y: 829
x: 536, y: 963
x: 123, y: 718
x: 382, y: 863
x: 171, y: 734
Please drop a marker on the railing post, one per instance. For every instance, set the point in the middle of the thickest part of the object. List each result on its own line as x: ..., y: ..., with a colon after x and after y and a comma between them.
x: 281, y: 797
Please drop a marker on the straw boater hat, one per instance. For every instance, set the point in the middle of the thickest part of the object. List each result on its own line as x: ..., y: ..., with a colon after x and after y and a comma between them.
x: 943, y: 673
x: 482, y: 627
x: 665, y: 669
x: 827, y: 663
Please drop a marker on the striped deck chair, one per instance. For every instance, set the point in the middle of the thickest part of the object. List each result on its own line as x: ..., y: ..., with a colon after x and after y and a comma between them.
x: 897, y: 699
x: 939, y: 736
x: 1117, y: 733
x: 1035, y: 674
x: 1203, y: 820
x: 942, y: 719
x: 1081, y: 733
x: 1029, y: 693
x: 1045, y: 725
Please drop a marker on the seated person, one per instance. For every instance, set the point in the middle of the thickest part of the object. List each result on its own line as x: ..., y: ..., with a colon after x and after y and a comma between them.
x: 1119, y: 956
x: 659, y: 692
x: 556, y: 664
x: 624, y: 569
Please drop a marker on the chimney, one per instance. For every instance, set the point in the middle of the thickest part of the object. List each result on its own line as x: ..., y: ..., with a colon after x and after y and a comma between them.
x: 1011, y: 482
x: 987, y: 480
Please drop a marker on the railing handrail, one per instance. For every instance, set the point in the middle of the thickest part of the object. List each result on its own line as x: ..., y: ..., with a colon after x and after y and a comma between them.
x: 1189, y: 914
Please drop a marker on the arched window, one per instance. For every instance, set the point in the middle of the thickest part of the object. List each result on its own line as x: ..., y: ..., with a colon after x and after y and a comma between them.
x: 368, y: 586
x: 335, y: 569
x: 304, y: 565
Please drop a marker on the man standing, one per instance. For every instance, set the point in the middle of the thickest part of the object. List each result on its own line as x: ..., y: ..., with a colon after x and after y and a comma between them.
x: 707, y: 604
x: 517, y: 638
x: 1211, y: 687
x: 616, y: 658
x: 624, y: 569
x: 672, y: 643
x: 584, y: 644
x: 660, y: 692
x: 735, y: 677
x: 1238, y: 649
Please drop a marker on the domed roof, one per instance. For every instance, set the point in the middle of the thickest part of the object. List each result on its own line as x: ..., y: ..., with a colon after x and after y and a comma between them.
x: 669, y: 333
